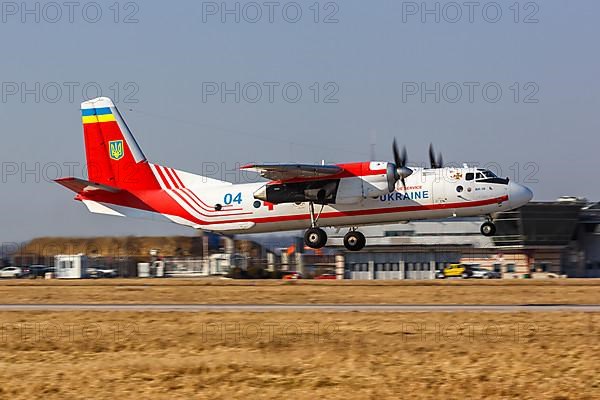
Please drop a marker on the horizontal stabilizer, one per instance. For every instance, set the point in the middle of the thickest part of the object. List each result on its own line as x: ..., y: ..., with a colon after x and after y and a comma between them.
x: 97, y: 208
x: 82, y: 186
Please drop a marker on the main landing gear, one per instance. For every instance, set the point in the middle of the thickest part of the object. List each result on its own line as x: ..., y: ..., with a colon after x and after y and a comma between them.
x: 354, y: 240
x: 488, y: 228
x: 316, y: 238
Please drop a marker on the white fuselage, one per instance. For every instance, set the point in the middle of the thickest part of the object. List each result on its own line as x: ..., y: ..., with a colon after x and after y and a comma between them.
x: 429, y: 194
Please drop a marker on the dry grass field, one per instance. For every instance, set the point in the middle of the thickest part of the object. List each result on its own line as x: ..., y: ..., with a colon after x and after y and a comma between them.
x: 108, y: 355
x: 165, y: 291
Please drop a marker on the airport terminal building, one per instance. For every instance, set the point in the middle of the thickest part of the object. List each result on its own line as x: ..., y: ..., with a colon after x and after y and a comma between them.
x: 559, y: 238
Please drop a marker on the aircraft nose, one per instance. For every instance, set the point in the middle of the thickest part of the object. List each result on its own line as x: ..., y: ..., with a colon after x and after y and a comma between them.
x: 518, y: 195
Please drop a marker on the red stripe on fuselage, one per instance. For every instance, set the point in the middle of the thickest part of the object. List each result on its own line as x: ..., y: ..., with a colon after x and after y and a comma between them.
x: 162, y: 177
x: 195, y: 198
x: 166, y: 205
x: 168, y: 173
x: 178, y: 180
x: 196, y: 207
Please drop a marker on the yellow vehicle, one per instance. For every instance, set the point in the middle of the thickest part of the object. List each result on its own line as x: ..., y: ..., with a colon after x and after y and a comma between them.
x: 455, y: 270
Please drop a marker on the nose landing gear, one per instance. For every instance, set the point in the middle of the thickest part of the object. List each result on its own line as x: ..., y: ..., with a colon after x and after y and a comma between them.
x: 488, y: 228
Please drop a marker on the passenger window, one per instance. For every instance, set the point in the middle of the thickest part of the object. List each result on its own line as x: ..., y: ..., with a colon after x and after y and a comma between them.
x: 479, y: 175
x: 470, y: 176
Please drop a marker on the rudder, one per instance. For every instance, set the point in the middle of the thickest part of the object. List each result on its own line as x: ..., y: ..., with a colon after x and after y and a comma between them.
x: 113, y: 156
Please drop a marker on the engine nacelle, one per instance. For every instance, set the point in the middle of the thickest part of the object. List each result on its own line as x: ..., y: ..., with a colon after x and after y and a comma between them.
x: 321, y: 192
x: 353, y: 190
x: 379, y: 185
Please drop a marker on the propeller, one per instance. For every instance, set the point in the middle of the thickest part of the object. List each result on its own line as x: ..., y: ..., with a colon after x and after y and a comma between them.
x: 435, y: 163
x: 402, y: 171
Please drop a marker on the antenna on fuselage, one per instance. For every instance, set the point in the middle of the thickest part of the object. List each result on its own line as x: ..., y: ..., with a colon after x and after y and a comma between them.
x: 372, y: 145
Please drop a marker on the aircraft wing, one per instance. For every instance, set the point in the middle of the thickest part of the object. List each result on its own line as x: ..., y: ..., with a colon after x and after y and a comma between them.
x: 280, y: 172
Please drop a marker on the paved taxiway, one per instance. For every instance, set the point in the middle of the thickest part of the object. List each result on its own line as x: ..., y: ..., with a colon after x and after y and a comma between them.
x: 306, y: 307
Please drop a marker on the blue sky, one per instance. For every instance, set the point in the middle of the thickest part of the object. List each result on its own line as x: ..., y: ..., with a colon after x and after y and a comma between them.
x: 357, y: 76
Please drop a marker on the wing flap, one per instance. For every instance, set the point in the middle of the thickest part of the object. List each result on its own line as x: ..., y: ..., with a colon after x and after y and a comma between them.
x: 280, y: 172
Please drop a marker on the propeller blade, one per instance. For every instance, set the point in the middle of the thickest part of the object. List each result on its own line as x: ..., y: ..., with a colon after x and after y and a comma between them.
x: 432, y: 162
x: 397, y: 159
x: 401, y: 171
x: 435, y: 163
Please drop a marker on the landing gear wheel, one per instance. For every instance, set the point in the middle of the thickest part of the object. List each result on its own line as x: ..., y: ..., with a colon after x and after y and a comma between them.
x: 315, y: 238
x: 488, y: 229
x: 354, y: 241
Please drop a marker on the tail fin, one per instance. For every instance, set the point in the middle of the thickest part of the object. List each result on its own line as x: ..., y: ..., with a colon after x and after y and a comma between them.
x: 114, y: 158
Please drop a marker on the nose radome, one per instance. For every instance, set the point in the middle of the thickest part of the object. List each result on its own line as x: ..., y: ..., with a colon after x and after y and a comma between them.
x: 519, y: 195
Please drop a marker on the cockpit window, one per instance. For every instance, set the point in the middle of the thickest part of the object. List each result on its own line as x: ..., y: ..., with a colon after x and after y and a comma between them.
x: 470, y: 176
x: 487, y: 173
x: 487, y: 176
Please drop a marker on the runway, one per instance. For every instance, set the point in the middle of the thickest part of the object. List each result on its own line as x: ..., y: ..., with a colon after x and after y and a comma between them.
x: 416, y: 308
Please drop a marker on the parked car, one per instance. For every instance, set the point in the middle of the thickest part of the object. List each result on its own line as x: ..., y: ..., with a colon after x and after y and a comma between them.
x: 292, y: 276
x: 37, y: 271
x: 326, y: 277
x: 11, y: 272
x: 455, y: 271
x: 101, y: 272
x: 482, y: 273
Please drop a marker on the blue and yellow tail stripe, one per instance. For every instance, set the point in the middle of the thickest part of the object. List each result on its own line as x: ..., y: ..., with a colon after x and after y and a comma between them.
x: 94, y: 115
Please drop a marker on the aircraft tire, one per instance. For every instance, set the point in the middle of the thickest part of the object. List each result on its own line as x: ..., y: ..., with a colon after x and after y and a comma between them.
x: 354, y: 241
x: 315, y: 238
x: 488, y: 229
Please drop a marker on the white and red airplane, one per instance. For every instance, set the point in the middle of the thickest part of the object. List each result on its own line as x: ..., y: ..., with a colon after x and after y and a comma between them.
x: 122, y: 182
